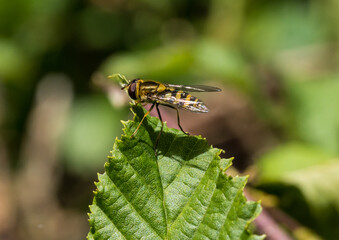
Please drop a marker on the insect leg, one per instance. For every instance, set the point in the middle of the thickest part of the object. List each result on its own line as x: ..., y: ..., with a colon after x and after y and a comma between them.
x: 178, y: 118
x: 136, y: 130
x: 179, y: 122
x: 162, y: 126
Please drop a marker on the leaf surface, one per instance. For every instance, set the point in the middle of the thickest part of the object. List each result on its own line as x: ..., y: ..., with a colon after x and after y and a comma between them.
x: 180, y: 194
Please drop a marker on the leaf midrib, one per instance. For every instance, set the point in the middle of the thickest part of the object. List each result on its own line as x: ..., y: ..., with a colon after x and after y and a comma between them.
x: 161, y: 180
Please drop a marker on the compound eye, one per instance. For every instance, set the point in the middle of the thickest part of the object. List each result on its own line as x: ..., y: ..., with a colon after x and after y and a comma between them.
x: 132, y: 90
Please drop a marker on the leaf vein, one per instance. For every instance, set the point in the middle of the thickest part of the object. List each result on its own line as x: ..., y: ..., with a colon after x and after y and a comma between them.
x: 187, y: 203
x: 132, y: 206
x: 182, y: 165
x: 112, y: 222
x: 144, y: 181
x: 202, y: 219
x: 232, y: 203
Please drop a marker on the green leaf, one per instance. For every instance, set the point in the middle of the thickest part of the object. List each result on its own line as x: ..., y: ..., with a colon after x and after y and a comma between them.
x: 182, y: 193
x: 275, y: 164
x: 305, y: 179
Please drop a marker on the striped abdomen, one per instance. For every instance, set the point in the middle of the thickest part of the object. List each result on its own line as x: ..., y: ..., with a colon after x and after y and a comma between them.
x: 179, y: 99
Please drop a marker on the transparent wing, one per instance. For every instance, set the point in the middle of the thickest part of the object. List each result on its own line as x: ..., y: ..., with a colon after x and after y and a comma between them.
x: 168, y: 98
x: 194, y: 88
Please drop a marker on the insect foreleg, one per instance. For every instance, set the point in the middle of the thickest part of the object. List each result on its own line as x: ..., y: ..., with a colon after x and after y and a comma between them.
x: 136, y: 130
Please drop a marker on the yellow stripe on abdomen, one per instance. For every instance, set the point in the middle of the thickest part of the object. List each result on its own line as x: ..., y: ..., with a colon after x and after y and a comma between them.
x: 195, y: 102
x: 188, y: 101
x: 178, y: 95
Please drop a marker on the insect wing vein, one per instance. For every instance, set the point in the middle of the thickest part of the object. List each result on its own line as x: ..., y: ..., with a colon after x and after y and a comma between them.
x: 194, y: 88
x: 185, y: 102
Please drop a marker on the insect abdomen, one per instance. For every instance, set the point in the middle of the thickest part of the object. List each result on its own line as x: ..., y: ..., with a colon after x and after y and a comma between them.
x: 188, y: 102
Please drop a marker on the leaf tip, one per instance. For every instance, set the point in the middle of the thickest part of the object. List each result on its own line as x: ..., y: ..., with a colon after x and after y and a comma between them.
x: 124, y: 123
x: 225, y: 163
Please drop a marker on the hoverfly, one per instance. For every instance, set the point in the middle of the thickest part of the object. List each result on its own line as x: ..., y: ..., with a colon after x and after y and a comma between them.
x: 170, y: 95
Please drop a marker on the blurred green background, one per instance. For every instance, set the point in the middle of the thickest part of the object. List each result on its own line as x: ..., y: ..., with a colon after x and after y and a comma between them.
x: 276, y: 61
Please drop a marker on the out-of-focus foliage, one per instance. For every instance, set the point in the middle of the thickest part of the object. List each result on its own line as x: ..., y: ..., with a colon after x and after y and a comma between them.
x: 276, y: 61
x: 94, y: 118
x: 314, y: 174
x: 315, y: 113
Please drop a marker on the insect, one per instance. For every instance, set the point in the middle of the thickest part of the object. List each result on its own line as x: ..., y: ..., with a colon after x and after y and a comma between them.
x: 169, y: 95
